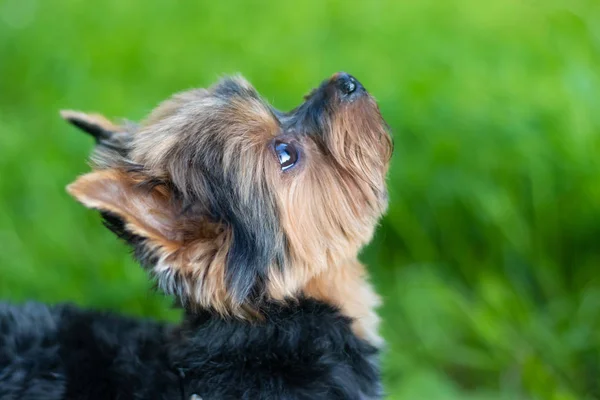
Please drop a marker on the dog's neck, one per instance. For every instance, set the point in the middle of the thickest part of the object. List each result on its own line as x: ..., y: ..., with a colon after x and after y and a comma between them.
x: 346, y: 287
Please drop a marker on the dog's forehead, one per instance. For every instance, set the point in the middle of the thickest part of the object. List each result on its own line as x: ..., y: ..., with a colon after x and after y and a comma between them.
x: 232, y: 100
x: 235, y: 87
x: 237, y: 103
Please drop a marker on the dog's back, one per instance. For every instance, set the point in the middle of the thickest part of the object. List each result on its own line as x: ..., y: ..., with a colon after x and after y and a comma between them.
x: 61, y: 352
x: 305, y: 351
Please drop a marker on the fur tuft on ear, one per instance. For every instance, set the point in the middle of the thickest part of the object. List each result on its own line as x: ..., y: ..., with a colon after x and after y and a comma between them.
x: 112, y: 141
x: 96, y: 125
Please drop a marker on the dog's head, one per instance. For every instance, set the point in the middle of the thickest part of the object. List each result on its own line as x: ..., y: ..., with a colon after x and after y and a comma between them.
x: 228, y: 201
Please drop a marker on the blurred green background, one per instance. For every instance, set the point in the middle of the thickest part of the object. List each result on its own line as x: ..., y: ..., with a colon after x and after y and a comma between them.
x: 489, y: 258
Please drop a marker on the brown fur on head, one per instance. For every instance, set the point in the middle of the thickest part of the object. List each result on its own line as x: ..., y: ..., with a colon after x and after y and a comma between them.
x: 230, y: 203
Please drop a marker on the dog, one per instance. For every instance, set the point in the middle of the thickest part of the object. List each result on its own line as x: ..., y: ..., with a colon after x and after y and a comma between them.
x: 252, y: 218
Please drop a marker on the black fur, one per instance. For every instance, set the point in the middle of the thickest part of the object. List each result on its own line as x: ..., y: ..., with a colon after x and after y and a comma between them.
x: 304, y: 350
x: 96, y: 131
x: 115, y: 224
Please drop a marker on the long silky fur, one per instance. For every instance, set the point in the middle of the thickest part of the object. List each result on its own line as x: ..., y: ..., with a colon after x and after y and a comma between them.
x: 263, y: 261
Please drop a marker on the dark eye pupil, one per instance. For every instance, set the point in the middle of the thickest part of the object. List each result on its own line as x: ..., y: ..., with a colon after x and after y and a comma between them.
x: 287, y: 154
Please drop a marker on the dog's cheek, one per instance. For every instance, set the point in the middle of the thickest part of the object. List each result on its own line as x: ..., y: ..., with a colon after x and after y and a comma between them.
x: 250, y: 255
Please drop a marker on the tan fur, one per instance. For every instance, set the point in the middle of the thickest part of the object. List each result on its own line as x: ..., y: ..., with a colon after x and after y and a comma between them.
x: 347, y: 287
x: 195, y: 249
x: 114, y: 191
x: 316, y: 217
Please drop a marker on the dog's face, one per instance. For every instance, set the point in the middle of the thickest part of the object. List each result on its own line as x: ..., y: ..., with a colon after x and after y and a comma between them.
x: 229, y: 202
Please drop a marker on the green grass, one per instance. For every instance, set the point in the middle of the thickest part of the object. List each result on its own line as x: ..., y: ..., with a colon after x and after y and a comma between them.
x: 489, y: 257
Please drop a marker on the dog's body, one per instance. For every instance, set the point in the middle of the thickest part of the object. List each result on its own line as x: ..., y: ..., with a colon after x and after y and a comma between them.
x: 253, y: 219
x: 306, y: 351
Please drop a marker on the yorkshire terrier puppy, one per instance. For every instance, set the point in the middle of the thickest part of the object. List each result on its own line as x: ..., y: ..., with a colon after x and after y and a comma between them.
x: 253, y: 219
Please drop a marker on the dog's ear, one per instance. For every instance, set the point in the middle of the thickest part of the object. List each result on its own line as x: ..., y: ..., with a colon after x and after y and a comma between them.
x: 147, y: 214
x: 112, y: 140
x: 185, y: 256
x: 98, y: 126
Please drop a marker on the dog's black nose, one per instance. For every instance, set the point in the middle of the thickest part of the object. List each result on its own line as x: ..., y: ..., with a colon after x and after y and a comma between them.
x: 346, y: 83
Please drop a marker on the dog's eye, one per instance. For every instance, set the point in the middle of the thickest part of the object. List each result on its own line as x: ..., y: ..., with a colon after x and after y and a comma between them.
x: 287, y: 154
